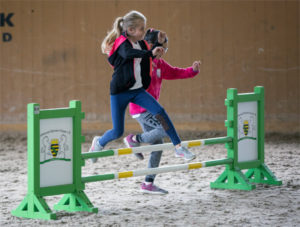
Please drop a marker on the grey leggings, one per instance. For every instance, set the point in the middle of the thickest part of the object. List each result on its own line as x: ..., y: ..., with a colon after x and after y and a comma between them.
x: 153, y: 134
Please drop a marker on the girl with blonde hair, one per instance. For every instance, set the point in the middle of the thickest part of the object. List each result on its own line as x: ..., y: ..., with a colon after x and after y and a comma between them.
x: 131, y: 58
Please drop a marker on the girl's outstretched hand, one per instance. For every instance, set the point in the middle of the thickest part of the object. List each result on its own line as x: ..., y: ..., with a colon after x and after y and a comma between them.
x: 161, y: 37
x: 158, y: 51
x: 196, y: 65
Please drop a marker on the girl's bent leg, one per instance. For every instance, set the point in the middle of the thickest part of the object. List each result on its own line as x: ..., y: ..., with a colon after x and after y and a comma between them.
x: 152, y: 129
x: 145, y: 100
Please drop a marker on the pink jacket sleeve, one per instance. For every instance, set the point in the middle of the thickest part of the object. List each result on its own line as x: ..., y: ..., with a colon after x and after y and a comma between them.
x: 170, y: 72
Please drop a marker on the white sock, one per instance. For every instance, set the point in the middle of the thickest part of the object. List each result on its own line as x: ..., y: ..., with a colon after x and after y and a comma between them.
x: 147, y: 183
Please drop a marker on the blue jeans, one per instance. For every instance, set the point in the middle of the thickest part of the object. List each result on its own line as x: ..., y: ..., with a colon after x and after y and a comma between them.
x: 119, y: 103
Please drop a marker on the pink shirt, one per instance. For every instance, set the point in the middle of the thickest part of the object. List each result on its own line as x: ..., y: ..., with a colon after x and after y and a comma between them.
x: 162, y: 71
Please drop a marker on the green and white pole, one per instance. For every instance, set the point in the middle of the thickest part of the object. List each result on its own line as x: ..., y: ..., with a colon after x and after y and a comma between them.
x: 150, y: 148
x: 165, y: 169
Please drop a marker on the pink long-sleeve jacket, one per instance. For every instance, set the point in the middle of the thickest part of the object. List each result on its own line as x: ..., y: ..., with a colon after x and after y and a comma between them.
x: 162, y: 71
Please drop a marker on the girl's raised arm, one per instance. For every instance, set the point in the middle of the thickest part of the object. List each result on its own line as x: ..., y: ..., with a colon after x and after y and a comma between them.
x: 127, y: 52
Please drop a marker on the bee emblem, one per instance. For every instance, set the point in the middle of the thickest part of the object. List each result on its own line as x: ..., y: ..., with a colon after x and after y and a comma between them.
x: 246, y: 127
x: 54, y: 147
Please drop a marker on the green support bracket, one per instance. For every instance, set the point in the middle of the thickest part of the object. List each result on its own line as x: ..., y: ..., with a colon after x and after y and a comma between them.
x: 229, y: 145
x: 262, y: 175
x: 232, y: 179
x: 77, y: 201
x: 228, y: 124
x: 34, y: 206
x: 228, y: 102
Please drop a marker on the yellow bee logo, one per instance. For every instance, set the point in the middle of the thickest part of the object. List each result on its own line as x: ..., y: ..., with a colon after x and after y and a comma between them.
x: 54, y: 147
x: 246, y: 127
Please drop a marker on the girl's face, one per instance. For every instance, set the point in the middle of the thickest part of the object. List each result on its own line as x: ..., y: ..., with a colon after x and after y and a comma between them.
x: 137, y: 33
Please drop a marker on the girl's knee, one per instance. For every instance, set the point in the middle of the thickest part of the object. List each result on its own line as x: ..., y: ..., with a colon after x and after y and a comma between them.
x: 162, y: 117
x: 161, y: 111
x: 158, y: 141
x: 118, y: 134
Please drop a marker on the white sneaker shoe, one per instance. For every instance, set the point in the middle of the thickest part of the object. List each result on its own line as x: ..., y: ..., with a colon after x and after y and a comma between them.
x: 95, y: 147
x: 183, y: 152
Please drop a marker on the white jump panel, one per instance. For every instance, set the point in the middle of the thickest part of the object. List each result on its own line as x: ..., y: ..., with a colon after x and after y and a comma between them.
x: 247, y: 131
x: 56, y: 146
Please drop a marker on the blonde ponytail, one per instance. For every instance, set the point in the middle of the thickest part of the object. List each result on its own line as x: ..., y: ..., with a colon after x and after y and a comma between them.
x: 112, y: 35
x: 121, y: 24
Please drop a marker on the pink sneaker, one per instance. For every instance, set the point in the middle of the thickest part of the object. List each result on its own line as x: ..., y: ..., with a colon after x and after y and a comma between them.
x: 152, y: 189
x: 130, y: 143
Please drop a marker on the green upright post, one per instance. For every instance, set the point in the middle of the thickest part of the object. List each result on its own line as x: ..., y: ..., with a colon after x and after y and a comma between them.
x: 77, y: 200
x: 232, y: 177
x: 261, y: 174
x: 33, y: 205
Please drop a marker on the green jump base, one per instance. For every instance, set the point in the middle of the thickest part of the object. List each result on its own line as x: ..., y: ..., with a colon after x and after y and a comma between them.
x: 232, y: 179
x: 34, y: 207
x: 262, y: 175
x: 77, y: 201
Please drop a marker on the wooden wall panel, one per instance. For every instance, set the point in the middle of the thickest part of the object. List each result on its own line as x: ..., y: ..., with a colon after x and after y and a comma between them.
x: 293, y: 60
x: 54, y: 56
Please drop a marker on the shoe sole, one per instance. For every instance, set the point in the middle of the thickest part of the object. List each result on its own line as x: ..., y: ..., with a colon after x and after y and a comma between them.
x: 127, y: 145
x: 186, y: 159
x: 153, y: 193
x: 94, y: 160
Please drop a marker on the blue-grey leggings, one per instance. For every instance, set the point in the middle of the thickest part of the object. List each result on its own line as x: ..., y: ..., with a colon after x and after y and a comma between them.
x: 153, y: 134
x: 119, y: 103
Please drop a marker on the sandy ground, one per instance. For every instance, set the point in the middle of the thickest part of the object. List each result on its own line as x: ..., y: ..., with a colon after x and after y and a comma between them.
x: 190, y: 201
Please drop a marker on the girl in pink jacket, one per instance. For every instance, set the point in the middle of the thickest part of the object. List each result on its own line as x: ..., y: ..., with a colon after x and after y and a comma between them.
x: 153, y: 131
